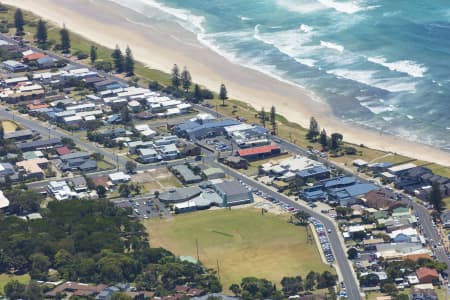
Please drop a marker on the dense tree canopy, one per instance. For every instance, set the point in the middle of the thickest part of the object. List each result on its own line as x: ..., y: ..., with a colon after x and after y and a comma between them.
x: 93, y: 241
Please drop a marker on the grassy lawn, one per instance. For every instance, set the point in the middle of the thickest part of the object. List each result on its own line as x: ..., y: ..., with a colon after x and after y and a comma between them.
x: 441, y: 293
x: 9, y: 126
x: 170, y: 182
x: 5, y: 278
x: 103, y: 165
x: 244, y: 242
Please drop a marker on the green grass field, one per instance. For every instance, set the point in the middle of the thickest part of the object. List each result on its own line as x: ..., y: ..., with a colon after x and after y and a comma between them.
x: 5, y: 278
x: 244, y: 242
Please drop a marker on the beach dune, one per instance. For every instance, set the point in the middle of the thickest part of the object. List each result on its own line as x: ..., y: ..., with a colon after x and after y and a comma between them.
x: 160, y: 44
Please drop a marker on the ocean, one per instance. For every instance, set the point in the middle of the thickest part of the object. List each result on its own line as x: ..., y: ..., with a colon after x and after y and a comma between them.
x: 380, y: 64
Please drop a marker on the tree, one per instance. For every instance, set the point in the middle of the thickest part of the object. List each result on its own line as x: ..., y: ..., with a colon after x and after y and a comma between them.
x: 273, y: 119
x: 223, y: 94
x: 235, y: 289
x: 352, y: 253
x: 93, y: 54
x: 14, y: 290
x: 130, y: 166
x: 326, y: 280
x: 291, y: 285
x: 186, y: 79
x: 436, y: 197
x: 310, y: 281
x: 129, y: 62
x: 175, y: 76
x: 117, y: 57
x: 302, y: 216
x: 124, y: 190
x: 198, y: 93
x: 65, y: 39
x: 388, y: 288
x: 323, y: 139
x: 125, y: 115
x: 101, y: 191
x: 41, y: 33
x: 336, y: 141
x: 263, y: 117
x: 19, y: 22
x: 369, y: 280
x: 314, y: 129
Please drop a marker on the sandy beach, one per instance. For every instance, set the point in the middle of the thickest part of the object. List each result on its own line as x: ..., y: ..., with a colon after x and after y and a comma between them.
x: 160, y: 44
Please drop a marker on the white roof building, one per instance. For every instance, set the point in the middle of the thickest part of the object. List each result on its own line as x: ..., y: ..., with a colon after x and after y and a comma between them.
x: 119, y: 177
x: 4, y: 202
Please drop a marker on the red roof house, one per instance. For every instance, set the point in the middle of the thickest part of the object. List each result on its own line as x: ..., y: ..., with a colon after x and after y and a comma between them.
x: 427, y: 275
x: 63, y: 150
x: 33, y: 56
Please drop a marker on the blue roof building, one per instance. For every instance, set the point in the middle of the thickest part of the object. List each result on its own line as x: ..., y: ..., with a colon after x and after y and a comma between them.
x: 316, y: 172
x: 196, y: 130
x: 338, y: 182
x: 347, y: 195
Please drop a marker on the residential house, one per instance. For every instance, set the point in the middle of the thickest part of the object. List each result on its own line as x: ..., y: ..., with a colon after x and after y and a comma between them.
x: 46, y: 62
x: 79, y: 184
x: 6, y: 169
x: 14, y: 66
x: 148, y: 155
x: 79, y: 289
x: 33, y: 167
x: 427, y: 275
x: 39, y: 145
x: 422, y: 294
x: 60, y: 190
x: 23, y: 134
x: 169, y: 152
x: 213, y: 173
x: 119, y: 177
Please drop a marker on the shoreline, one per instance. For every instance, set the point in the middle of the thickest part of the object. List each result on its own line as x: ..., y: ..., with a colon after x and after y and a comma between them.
x: 160, y: 44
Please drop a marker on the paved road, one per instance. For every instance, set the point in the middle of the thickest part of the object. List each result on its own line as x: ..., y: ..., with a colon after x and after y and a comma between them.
x: 350, y: 282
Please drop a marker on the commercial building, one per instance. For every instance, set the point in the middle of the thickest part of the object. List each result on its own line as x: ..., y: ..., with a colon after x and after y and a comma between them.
x: 14, y: 66
x: 232, y: 193
x: 180, y: 195
x: 257, y: 153
x: 185, y: 174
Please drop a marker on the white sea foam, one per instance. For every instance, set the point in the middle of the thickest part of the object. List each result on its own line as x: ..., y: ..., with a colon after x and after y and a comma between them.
x: 409, y: 67
x: 305, y: 28
x: 332, y: 46
x: 366, y: 77
x: 410, y: 117
x: 289, y: 42
x: 244, y: 18
x: 305, y: 7
x: 189, y: 20
x: 349, y: 7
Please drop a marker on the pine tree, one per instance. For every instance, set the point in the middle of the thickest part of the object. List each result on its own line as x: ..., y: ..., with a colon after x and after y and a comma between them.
x: 273, y: 119
x: 19, y: 22
x: 41, y: 33
x: 223, y: 94
x: 129, y: 62
x: 175, y: 76
x: 186, y: 79
x: 65, y: 40
x: 436, y: 197
x: 314, y: 129
x: 93, y: 54
x: 118, y: 59
x: 197, y: 93
x: 323, y: 139
x: 263, y: 117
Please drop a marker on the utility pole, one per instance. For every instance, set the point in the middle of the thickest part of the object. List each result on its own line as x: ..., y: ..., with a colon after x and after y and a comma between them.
x: 218, y: 269
x: 196, y: 244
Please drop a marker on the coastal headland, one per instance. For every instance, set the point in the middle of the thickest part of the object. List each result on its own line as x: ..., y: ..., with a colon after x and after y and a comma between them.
x: 159, y: 44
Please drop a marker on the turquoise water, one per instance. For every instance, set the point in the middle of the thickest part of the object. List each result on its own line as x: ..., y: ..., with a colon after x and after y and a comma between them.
x: 383, y: 64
